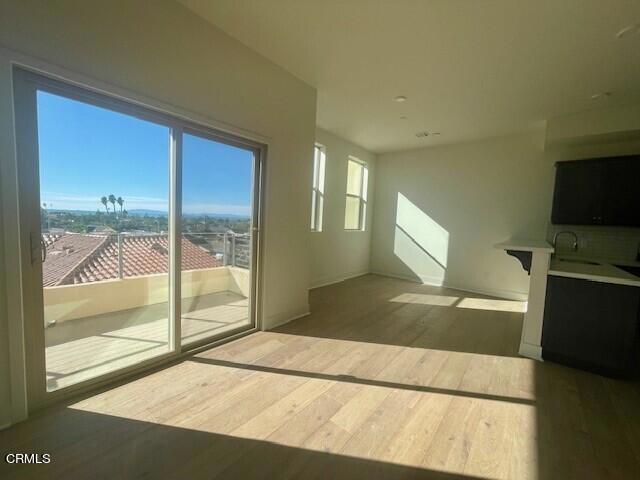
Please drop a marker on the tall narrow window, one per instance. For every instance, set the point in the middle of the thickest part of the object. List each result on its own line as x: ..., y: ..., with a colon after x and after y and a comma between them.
x: 356, y: 203
x: 317, y: 195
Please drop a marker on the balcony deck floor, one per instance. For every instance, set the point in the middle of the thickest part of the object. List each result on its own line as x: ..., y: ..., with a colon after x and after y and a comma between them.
x: 82, y: 349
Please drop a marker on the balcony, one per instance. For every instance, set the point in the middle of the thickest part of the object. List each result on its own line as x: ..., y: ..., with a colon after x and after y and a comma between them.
x: 106, y: 298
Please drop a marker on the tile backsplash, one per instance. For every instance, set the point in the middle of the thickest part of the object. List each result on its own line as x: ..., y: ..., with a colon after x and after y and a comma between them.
x: 619, y: 243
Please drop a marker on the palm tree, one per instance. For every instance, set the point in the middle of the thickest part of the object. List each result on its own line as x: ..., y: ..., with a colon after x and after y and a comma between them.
x: 120, y: 201
x: 112, y: 200
x: 104, y: 202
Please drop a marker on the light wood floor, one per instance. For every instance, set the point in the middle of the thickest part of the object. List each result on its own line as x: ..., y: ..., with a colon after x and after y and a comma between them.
x: 82, y: 349
x: 386, y: 379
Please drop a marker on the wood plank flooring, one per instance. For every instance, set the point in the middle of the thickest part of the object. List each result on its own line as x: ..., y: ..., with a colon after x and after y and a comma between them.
x: 386, y: 379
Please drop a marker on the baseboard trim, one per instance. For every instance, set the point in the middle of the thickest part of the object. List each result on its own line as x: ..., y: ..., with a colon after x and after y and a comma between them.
x: 432, y: 281
x: 334, y: 280
x: 530, y: 351
x: 5, y: 426
x: 279, y: 320
x: 506, y: 294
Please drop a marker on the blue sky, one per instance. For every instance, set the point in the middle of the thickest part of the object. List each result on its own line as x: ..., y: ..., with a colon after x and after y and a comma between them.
x: 88, y: 152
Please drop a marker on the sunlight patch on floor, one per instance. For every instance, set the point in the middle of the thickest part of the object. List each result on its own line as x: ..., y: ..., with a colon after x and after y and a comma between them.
x: 425, y: 299
x: 491, y: 304
x: 462, y: 302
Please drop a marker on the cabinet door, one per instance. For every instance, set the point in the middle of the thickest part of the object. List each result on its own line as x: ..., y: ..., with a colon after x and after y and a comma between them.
x: 621, y: 186
x: 590, y: 325
x: 577, y: 198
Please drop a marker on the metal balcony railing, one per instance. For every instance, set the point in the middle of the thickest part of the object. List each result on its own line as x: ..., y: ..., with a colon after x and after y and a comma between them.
x: 233, y: 249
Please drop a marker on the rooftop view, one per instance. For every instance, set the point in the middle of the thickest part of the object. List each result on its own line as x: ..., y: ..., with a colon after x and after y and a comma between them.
x: 92, y: 235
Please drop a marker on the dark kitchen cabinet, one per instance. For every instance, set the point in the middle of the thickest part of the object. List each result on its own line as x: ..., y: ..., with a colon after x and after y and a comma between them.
x: 577, y: 197
x: 621, y: 192
x: 591, y: 325
x: 604, y: 191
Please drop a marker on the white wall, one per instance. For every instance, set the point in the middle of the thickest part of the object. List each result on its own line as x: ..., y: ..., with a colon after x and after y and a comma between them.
x: 337, y: 254
x: 162, y: 51
x: 5, y: 391
x: 440, y: 210
x: 590, y: 128
x: 11, y: 399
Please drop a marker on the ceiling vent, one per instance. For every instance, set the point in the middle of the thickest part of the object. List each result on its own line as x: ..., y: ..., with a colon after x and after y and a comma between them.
x: 426, y: 133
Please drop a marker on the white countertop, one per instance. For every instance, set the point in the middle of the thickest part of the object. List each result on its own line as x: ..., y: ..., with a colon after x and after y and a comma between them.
x: 525, y: 245
x: 601, y: 272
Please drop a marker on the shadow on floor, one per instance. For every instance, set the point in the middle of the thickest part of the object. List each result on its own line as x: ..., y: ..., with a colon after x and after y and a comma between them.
x: 587, y: 425
x: 362, y: 381
x: 95, y: 445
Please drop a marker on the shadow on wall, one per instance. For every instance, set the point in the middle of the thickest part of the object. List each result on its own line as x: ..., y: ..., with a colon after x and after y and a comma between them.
x: 420, y: 242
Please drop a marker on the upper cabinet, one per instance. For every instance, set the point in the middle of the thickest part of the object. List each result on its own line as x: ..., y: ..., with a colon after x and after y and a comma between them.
x: 604, y: 191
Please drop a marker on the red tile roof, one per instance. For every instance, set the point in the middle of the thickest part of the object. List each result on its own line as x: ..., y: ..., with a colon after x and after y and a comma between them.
x: 84, y: 258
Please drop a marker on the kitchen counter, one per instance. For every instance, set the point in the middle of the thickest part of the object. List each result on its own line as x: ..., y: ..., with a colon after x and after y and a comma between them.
x: 525, y: 245
x: 534, y: 256
x: 600, y: 272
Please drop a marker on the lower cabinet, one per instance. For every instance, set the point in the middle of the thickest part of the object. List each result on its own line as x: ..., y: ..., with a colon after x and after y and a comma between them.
x: 591, y: 325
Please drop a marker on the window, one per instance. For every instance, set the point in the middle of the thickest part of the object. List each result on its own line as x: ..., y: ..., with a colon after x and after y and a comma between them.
x: 317, y: 195
x: 356, y: 203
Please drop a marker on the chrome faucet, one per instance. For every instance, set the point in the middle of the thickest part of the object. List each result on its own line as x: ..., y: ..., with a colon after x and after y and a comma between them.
x: 575, y: 239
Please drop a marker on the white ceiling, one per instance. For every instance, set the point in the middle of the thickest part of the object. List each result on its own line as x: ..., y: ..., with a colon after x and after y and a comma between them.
x: 470, y: 68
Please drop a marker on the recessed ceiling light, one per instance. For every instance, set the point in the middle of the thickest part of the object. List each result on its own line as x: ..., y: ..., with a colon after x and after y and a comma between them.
x: 400, y: 98
x: 628, y: 31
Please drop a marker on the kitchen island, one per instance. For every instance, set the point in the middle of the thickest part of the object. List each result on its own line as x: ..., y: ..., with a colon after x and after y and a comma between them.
x: 535, y: 256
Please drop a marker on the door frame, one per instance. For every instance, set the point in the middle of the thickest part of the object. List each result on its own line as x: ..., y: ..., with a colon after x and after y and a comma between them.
x: 25, y: 75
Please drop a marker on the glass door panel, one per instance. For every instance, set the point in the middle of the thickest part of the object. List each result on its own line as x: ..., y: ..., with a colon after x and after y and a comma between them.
x: 216, y: 224
x: 104, y: 193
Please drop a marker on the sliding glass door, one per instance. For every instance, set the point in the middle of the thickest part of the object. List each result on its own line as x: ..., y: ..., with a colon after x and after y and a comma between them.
x: 217, y: 224
x: 141, y: 232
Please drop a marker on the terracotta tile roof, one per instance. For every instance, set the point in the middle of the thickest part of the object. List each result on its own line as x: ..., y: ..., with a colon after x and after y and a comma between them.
x: 65, y: 253
x: 85, y: 258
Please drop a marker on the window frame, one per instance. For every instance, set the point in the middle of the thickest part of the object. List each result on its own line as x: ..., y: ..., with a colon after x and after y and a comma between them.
x: 361, y: 197
x: 317, y: 187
